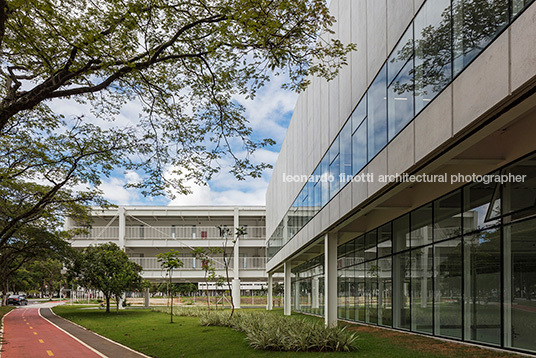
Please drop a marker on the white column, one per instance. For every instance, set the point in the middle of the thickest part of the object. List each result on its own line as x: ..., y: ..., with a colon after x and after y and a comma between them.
x: 269, y: 298
x: 287, y: 306
x: 122, y: 227
x: 330, y: 279
x: 316, y: 293
x: 236, y: 261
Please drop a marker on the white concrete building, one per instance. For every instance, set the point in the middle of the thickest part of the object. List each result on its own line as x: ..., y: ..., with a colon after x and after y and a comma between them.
x: 145, y: 231
x: 441, y: 90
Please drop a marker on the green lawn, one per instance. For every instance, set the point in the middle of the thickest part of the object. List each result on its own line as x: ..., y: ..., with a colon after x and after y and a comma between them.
x: 4, y: 310
x: 152, y: 334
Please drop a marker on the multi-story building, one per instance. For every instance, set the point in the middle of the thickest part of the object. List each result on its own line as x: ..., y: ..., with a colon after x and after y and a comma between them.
x: 377, y: 210
x: 145, y: 231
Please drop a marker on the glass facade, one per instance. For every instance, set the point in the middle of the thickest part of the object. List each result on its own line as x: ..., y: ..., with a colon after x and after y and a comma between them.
x: 443, y: 39
x: 444, y: 269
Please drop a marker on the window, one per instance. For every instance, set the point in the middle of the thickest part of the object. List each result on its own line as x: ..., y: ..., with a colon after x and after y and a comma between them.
x: 385, y: 240
x: 477, y: 199
x: 422, y: 289
x: 346, y: 154
x: 448, y: 288
x: 432, y: 51
x: 385, y: 290
x: 476, y: 24
x: 377, y: 114
x: 421, y: 226
x: 401, y: 290
x: 173, y: 231
x: 483, y: 287
x: 447, y: 216
x: 359, y: 147
x: 401, y: 233
x: 400, y: 82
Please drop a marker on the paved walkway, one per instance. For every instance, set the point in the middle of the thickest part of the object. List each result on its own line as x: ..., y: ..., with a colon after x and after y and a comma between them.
x: 37, y: 332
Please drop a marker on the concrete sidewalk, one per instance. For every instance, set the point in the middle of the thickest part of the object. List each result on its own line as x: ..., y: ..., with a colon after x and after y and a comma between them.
x: 105, y: 346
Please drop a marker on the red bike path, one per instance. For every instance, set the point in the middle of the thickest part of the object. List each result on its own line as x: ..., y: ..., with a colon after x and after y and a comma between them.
x: 37, y: 332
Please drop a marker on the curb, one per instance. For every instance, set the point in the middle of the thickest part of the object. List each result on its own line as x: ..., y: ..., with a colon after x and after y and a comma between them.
x: 2, y: 330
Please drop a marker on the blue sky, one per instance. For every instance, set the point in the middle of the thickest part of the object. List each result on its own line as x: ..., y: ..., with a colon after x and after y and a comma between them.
x: 268, y: 115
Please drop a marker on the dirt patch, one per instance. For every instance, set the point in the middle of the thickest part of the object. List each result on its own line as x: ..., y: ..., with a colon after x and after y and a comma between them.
x: 430, y: 345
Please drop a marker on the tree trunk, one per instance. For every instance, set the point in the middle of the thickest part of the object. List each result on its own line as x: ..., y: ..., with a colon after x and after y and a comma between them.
x: 171, y: 293
x: 107, y: 303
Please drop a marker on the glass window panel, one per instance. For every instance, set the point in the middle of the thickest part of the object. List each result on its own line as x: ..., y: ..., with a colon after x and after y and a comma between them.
x: 360, y: 299
x: 360, y: 249
x: 401, y: 290
x: 422, y: 289
x: 341, y: 293
x: 370, y: 245
x: 385, y: 240
x: 401, y: 234
x: 447, y: 216
x: 421, y: 226
x: 482, y: 267
x: 377, y: 114
x: 432, y: 51
x: 346, y: 154
x: 325, y: 180
x: 476, y: 23
x: 400, y: 94
x: 385, y: 291
x: 520, y: 195
x: 371, y: 294
x: 477, y: 199
x: 520, y: 276
x: 518, y: 6
x: 359, y: 148
x: 359, y: 113
x: 334, y: 171
x: 448, y: 288
x: 402, y: 53
x: 334, y: 150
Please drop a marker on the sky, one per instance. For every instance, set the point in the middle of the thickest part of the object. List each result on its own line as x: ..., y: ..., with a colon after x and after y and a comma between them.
x: 268, y: 114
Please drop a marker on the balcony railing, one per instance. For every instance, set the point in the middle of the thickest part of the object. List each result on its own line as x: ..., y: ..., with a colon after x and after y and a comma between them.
x: 191, y: 263
x: 143, y: 232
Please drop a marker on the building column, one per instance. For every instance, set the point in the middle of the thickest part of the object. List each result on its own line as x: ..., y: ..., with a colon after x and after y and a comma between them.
x: 122, y: 227
x: 269, y: 298
x: 236, y: 261
x: 330, y: 279
x: 146, y: 297
x: 287, y: 293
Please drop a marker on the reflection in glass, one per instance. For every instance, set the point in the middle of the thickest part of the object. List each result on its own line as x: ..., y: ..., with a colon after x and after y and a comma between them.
x: 432, y: 51
x: 345, y: 154
x: 447, y: 216
x: 377, y: 114
x: 482, y: 267
x: 360, y: 298
x: 448, y: 288
x: 476, y: 201
x: 520, y: 276
x: 401, y: 290
x: 422, y: 289
x: 385, y: 240
x: 401, y: 233
x: 402, y: 53
x: 371, y: 293
x: 359, y: 148
x: 385, y: 292
x: 476, y: 23
x: 400, y: 94
x: 421, y: 226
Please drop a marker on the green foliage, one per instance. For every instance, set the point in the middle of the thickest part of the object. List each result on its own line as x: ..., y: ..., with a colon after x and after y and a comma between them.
x: 170, y: 261
x: 270, y: 332
x: 106, y: 268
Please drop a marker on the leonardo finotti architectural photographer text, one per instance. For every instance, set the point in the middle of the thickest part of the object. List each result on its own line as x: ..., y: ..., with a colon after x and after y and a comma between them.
x: 409, y: 178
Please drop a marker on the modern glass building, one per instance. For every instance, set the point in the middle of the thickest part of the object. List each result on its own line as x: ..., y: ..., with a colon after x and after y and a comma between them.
x: 405, y: 192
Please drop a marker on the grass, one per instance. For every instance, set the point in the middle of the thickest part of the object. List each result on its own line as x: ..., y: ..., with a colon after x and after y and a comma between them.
x: 151, y: 333
x: 4, y: 310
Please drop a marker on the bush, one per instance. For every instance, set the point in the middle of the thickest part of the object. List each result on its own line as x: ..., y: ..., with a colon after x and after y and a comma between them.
x: 270, y: 332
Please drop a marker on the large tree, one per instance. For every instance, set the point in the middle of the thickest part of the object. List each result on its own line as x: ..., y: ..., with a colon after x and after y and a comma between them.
x: 106, y: 268
x: 179, y: 66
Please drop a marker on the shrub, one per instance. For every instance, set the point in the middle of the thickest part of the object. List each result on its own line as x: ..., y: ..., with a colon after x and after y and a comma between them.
x: 270, y: 332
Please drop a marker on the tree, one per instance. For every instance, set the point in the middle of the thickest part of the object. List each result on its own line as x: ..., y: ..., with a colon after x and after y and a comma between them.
x: 184, y: 64
x: 207, y: 265
x: 170, y: 261
x: 106, y: 268
x: 224, y: 234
